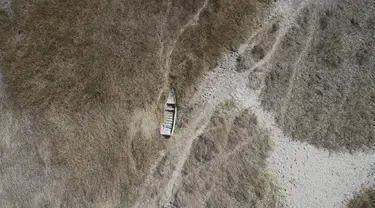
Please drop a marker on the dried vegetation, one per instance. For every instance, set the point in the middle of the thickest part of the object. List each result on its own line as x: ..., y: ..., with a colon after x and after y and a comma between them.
x: 83, y: 82
x: 365, y: 199
x: 319, y: 82
x: 227, y: 167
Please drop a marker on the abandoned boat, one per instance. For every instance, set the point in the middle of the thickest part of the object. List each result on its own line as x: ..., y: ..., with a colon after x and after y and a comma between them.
x: 170, y: 113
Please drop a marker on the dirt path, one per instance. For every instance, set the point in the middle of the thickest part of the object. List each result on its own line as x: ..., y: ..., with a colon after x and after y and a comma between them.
x: 297, y: 65
x: 167, y: 48
x: 182, y: 152
x: 309, y: 177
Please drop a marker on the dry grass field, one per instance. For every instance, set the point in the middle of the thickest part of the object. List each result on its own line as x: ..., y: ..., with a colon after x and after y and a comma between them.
x: 320, y: 80
x: 227, y: 167
x: 82, y: 84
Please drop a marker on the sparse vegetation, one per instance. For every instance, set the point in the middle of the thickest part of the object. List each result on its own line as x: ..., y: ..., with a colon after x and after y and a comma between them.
x: 365, y: 199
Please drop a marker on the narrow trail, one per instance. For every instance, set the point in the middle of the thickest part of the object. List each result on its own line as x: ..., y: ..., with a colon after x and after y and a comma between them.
x: 166, y: 48
x: 299, y: 168
x: 182, y: 152
x: 147, y: 183
x: 216, y: 88
x: 221, y: 158
x: 296, y: 65
x: 193, y: 21
x: 308, y: 174
x: 165, y: 56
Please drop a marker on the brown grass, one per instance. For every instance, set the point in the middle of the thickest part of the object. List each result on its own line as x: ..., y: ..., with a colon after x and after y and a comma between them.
x: 222, y: 26
x: 227, y: 167
x: 82, y: 83
x: 365, y: 199
x: 321, y: 90
x: 79, y: 55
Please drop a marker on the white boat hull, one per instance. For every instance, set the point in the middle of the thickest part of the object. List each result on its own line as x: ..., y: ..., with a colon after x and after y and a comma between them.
x: 170, y: 116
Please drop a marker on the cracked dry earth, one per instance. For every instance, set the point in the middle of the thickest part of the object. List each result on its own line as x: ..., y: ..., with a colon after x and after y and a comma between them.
x: 286, y: 119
